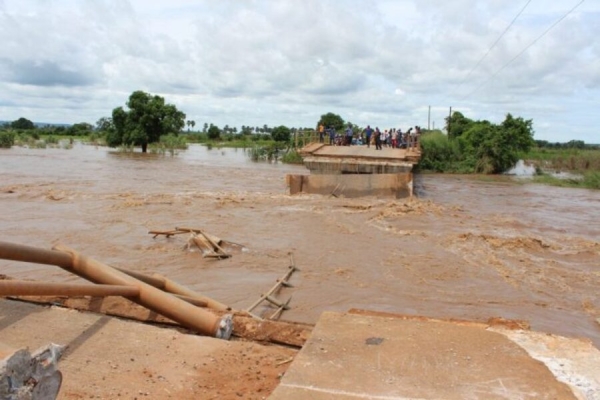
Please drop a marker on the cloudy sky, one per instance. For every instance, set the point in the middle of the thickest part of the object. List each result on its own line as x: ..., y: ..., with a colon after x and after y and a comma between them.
x: 287, y: 62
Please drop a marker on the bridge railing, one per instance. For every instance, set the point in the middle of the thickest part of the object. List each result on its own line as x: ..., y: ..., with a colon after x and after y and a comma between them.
x: 303, y: 138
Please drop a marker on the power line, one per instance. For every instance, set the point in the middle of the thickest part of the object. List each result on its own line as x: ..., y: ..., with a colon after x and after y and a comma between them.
x: 525, y: 49
x: 494, y: 45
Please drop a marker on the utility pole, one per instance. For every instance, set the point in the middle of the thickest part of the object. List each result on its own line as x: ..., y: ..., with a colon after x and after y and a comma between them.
x: 429, y: 118
x: 449, y: 120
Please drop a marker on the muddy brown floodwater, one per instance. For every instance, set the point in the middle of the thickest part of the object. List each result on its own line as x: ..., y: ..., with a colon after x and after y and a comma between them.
x: 466, y: 248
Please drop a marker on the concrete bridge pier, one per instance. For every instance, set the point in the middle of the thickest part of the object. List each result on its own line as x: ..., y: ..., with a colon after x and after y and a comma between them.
x: 355, y: 171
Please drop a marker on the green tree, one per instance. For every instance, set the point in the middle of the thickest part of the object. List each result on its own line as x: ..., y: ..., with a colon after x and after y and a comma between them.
x: 214, y: 132
x: 81, y: 129
x: 147, y: 119
x: 281, y: 134
x: 457, y: 124
x: 331, y: 119
x: 477, y: 146
x: 519, y: 133
x: 22, y: 123
x: 495, y: 148
x: 104, y: 124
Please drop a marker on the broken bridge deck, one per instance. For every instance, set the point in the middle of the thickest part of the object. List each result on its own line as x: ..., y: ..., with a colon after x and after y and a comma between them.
x: 366, y: 355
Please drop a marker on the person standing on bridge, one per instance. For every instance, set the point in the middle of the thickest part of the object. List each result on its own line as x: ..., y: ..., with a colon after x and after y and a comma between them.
x: 368, y: 133
x: 321, y: 133
x: 331, y: 131
x: 349, y: 135
x: 377, y: 139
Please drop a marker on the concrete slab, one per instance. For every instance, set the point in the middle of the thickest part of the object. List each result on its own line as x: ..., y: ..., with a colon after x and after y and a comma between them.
x: 331, y: 160
x: 363, y: 152
x: 376, y: 357
x: 111, y: 358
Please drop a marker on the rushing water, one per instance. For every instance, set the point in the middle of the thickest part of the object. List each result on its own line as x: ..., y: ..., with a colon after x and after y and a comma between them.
x: 465, y: 248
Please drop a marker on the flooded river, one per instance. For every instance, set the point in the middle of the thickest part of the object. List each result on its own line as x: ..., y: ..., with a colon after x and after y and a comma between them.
x: 466, y: 248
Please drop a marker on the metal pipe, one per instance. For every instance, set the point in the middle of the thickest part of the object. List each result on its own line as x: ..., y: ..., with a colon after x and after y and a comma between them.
x: 18, y: 252
x: 152, y: 298
x: 175, y: 288
x: 186, y: 314
x: 191, y: 300
x: 150, y: 280
x: 167, y: 285
x: 25, y: 288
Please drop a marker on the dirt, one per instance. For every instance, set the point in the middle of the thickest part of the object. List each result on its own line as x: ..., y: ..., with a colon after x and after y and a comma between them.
x: 109, y: 358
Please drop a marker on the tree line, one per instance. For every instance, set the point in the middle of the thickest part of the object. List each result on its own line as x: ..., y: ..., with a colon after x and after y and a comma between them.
x: 144, y: 120
x: 469, y: 145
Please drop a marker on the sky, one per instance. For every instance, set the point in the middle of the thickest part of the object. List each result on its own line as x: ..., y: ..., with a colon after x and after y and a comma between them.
x: 396, y: 63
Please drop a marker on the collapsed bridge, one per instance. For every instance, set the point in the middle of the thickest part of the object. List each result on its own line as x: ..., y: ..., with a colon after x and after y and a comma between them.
x: 355, y: 171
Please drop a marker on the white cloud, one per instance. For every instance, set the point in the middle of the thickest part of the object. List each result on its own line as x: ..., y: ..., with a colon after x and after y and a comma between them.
x: 378, y: 62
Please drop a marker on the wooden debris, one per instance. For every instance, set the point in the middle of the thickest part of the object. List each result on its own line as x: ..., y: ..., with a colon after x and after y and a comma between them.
x: 211, y: 246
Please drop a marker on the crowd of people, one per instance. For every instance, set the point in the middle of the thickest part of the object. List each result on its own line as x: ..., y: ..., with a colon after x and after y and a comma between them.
x: 392, y: 138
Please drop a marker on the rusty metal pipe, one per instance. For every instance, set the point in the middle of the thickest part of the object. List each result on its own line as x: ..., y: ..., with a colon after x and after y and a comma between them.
x: 25, y: 288
x: 152, y: 298
x: 158, y: 283
x: 186, y: 314
x: 17, y: 252
x: 167, y: 285
x: 175, y: 288
x: 191, y: 300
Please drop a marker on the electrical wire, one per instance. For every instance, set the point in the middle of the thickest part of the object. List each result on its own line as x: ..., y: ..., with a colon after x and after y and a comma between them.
x: 493, y: 45
x: 524, y: 50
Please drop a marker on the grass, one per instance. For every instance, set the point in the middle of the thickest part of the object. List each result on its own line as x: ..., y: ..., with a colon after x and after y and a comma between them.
x: 292, y: 157
x: 589, y: 180
x: 168, y: 144
x: 583, y: 162
x: 574, y: 160
x: 263, y: 153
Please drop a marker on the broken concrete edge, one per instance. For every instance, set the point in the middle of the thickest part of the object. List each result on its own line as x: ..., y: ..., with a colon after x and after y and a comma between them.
x: 579, y: 369
x: 25, y: 375
x: 573, y: 361
x: 491, y: 322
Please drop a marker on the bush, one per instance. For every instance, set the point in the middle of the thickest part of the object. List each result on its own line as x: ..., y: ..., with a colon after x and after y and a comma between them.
x: 51, y: 140
x: 292, y: 157
x: 441, y: 154
x: 7, y: 139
